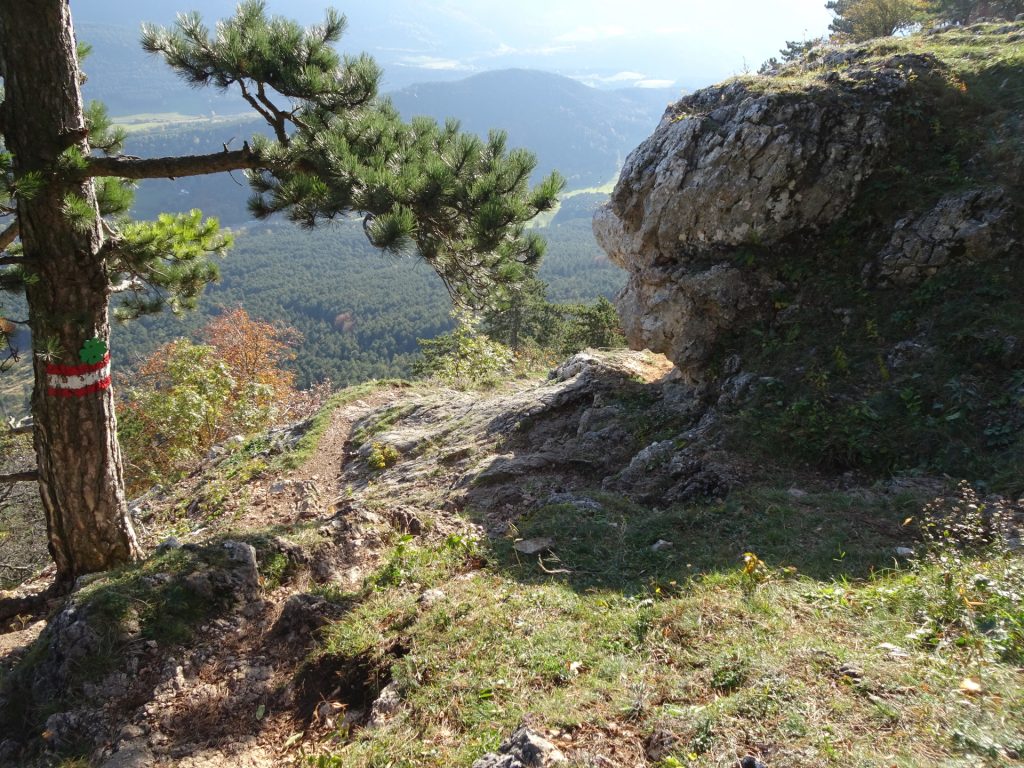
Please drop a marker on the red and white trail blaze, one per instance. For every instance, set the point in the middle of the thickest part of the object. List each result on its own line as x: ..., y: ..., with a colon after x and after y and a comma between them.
x: 78, y: 380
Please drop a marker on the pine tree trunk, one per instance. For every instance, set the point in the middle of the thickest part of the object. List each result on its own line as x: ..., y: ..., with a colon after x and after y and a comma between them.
x: 79, y: 461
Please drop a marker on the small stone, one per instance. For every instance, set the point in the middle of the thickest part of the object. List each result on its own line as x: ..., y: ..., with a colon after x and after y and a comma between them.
x: 133, y: 755
x: 168, y: 544
x: 327, y: 711
x: 129, y: 732
x: 850, y: 671
x: 661, y: 544
x: 386, y: 704
x: 796, y: 493
x: 751, y: 762
x: 524, y: 749
x: 904, y: 551
x: 431, y: 597
x: 533, y: 546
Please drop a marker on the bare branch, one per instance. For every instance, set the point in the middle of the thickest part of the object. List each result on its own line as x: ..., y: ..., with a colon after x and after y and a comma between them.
x: 256, y: 105
x: 279, y: 116
x: 172, y: 167
x: 28, y: 476
x: 6, y: 260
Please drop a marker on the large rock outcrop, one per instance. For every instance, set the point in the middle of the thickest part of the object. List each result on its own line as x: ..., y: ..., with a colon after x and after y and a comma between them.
x: 739, y: 177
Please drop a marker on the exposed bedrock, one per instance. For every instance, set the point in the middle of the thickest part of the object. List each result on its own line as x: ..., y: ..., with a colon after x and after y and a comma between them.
x: 732, y: 174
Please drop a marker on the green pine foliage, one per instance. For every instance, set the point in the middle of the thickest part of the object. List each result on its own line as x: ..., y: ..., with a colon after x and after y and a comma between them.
x: 459, y: 202
x: 464, y: 358
x: 531, y: 323
x: 166, y: 262
x: 866, y: 19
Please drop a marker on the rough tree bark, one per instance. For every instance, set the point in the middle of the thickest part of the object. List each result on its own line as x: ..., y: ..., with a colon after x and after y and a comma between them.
x: 79, y: 461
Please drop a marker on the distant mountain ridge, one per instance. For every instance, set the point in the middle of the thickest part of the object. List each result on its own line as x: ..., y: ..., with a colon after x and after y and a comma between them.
x: 582, y: 131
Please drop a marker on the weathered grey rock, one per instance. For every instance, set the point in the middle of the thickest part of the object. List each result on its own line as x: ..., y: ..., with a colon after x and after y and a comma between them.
x: 302, y: 615
x: 736, y: 390
x: 63, y: 729
x: 579, y: 502
x: 722, y: 168
x: 245, y: 575
x: 431, y: 597
x: 533, y: 546
x: 733, y: 175
x: 523, y: 749
x: 683, y: 313
x: 385, y: 705
x: 664, y: 473
x: 964, y: 228
x: 906, y: 352
x: 135, y: 754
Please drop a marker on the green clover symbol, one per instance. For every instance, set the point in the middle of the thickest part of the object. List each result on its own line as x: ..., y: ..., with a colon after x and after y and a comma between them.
x: 92, y: 351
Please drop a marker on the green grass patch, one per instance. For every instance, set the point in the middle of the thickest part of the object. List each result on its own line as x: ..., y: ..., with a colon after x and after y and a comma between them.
x: 611, y: 545
x: 844, y: 661
x: 145, y: 122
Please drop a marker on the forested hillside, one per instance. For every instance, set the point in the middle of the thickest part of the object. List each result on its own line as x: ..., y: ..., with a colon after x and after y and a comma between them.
x: 360, y: 312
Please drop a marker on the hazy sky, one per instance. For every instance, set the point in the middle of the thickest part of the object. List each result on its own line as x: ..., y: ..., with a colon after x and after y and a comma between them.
x: 681, y: 44
x: 647, y: 42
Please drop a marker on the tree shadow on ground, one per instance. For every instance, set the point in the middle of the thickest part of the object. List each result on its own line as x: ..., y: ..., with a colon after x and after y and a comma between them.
x: 602, y: 541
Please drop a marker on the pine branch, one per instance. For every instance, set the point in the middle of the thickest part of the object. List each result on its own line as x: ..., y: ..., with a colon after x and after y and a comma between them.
x: 279, y: 116
x: 172, y: 167
x: 256, y: 105
x: 28, y: 476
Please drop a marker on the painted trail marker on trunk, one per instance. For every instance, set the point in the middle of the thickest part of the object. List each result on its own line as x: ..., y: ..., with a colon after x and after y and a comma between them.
x: 93, y: 375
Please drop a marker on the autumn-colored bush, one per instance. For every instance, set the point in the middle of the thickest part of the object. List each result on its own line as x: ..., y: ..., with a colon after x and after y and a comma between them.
x: 254, y: 351
x: 187, y: 397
